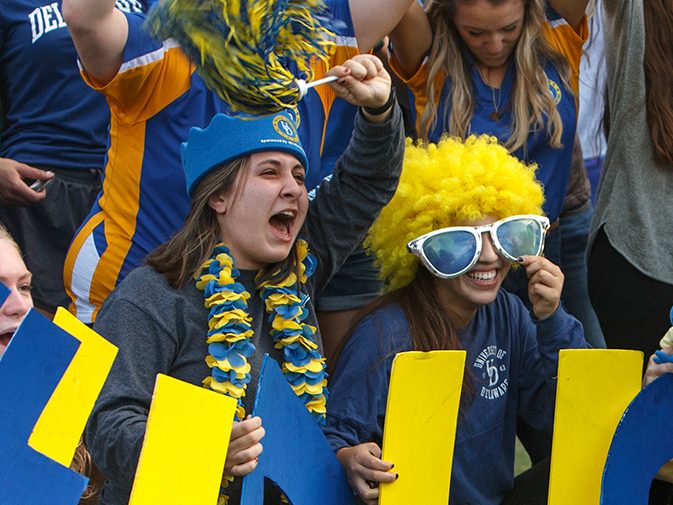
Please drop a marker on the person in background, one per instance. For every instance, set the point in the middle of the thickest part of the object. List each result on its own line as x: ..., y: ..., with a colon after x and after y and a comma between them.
x: 55, y: 132
x: 144, y: 201
x: 462, y: 215
x: 507, y: 68
x: 592, y: 98
x: 238, y: 279
x: 574, y: 224
x: 629, y: 250
x: 16, y: 277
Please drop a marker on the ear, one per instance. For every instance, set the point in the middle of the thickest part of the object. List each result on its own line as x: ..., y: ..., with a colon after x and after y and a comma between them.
x: 219, y: 202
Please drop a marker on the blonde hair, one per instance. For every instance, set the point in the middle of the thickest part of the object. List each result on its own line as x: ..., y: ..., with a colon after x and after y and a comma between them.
x: 531, y: 99
x: 445, y: 184
x: 4, y: 235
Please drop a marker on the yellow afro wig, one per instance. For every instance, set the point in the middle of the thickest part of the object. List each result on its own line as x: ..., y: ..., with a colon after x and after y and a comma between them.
x: 448, y: 184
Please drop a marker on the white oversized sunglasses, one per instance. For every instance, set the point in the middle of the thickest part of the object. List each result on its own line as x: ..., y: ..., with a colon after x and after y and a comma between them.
x: 452, y: 251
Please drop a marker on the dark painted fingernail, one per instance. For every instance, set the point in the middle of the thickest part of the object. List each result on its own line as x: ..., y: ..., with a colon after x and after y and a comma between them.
x: 392, y: 466
x: 397, y: 476
x: 372, y: 484
x: 520, y: 259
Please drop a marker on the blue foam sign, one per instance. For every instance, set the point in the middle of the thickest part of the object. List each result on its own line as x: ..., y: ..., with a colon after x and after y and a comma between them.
x: 640, y: 446
x: 296, y: 457
x: 31, y: 368
x: 4, y: 293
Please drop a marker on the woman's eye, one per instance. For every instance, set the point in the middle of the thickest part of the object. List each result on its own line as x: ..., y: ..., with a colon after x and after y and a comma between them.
x: 509, y: 28
x: 299, y: 178
x: 25, y: 288
x: 474, y: 34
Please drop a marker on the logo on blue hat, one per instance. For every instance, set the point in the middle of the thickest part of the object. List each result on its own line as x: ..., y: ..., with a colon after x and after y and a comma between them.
x: 285, y: 128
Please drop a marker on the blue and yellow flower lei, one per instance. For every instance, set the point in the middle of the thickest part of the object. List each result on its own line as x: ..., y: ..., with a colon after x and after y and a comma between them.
x: 230, y: 330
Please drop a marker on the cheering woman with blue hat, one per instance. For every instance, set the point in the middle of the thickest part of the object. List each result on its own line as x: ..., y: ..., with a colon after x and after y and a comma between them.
x: 239, y: 278
x: 462, y: 215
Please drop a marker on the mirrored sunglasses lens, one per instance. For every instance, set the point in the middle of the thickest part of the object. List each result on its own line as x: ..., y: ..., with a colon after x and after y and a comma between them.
x: 521, y: 237
x: 450, y: 252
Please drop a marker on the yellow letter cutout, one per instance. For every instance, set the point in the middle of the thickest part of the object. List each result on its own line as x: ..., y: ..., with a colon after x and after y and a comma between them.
x: 594, y: 387
x: 185, y: 446
x: 61, y: 424
x: 420, y: 425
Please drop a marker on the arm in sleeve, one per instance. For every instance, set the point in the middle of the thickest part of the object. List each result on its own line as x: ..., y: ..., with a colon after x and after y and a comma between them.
x: 152, y: 75
x: 539, y: 363
x: 116, y: 428
x: 99, y: 31
x: 363, y: 181
x: 359, y: 387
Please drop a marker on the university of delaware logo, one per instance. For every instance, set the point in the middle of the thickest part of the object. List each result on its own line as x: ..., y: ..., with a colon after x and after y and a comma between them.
x: 491, y: 363
x: 555, y: 91
x: 285, y: 128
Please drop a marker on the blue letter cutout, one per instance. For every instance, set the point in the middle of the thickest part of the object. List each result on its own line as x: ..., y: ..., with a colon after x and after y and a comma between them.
x: 4, y: 293
x: 296, y: 454
x: 641, y: 445
x: 31, y: 368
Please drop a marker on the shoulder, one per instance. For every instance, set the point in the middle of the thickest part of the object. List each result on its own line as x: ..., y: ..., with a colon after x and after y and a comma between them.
x: 148, y: 291
x: 389, y: 319
x: 381, y: 333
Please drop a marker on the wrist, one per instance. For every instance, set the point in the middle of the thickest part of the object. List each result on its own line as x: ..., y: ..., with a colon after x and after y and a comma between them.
x: 377, y: 111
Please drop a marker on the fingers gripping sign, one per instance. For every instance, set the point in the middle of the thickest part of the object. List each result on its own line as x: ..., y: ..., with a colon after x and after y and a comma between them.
x: 244, y: 447
x: 365, y: 470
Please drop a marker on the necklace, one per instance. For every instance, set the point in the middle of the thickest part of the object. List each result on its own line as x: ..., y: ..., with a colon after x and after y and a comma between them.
x: 230, y: 332
x: 495, y: 115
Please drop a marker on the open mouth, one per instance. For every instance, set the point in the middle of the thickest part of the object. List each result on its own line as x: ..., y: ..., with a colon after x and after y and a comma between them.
x: 4, y: 340
x: 282, y: 222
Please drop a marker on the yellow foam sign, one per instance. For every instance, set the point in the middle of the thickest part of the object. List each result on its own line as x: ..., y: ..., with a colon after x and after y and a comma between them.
x: 185, y: 446
x: 420, y: 425
x: 594, y: 388
x: 61, y: 424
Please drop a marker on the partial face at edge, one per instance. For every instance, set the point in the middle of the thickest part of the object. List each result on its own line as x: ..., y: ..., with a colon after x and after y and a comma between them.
x: 490, y: 31
x: 16, y: 277
x: 261, y: 217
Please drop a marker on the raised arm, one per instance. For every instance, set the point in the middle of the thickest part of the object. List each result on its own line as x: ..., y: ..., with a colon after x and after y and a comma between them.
x: 570, y: 10
x: 99, y: 31
x: 411, y: 39
x: 374, y: 19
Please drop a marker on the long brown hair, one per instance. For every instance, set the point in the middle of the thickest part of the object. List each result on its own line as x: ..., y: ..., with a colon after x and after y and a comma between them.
x: 182, y: 255
x: 531, y: 99
x: 430, y: 328
x: 658, y: 66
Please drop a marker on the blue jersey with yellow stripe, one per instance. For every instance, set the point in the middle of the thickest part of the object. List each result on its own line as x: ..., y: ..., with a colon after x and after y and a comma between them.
x: 154, y: 99
x: 553, y: 164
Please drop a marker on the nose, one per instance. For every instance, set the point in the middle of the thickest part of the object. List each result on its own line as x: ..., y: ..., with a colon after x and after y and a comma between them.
x: 495, y: 43
x: 16, y: 304
x: 488, y: 252
x: 292, y: 188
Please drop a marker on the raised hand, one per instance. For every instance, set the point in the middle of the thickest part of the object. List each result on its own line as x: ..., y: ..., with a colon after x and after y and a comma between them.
x: 363, y: 81
x: 545, y: 283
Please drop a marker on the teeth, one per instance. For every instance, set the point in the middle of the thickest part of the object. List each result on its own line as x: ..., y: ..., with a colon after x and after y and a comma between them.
x: 286, y: 214
x: 482, y: 276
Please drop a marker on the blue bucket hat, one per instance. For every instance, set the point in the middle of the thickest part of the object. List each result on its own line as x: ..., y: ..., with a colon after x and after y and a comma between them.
x: 227, y: 138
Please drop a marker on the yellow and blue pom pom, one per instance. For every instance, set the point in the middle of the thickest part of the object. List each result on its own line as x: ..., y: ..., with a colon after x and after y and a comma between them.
x: 250, y: 53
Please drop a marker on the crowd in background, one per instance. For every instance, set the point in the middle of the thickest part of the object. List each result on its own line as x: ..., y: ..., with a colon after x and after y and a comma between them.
x: 109, y: 197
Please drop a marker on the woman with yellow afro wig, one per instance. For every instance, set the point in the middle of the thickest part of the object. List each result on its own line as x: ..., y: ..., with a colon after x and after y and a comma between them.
x: 462, y: 214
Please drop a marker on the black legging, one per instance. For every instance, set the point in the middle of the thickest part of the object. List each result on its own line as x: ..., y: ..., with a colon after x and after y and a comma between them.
x: 632, y: 308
